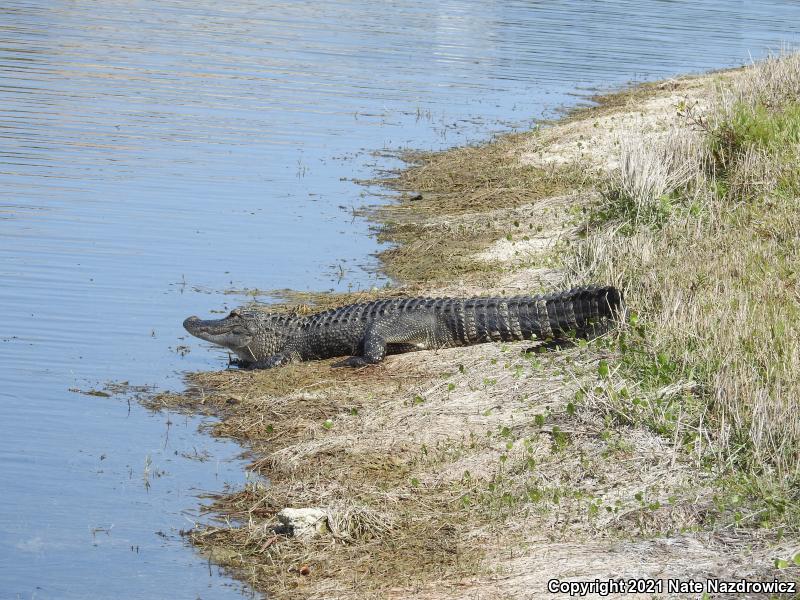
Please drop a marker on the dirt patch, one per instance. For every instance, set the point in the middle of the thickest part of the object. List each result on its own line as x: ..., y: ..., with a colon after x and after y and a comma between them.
x: 684, y: 558
x: 592, y: 138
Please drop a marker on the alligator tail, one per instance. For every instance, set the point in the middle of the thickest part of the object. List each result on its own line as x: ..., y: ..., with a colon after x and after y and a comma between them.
x: 580, y: 311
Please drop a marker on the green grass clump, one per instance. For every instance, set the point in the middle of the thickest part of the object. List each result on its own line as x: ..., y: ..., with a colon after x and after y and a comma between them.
x: 755, y: 126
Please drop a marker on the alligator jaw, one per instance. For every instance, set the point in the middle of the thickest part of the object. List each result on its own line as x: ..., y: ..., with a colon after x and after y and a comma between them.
x: 226, y: 332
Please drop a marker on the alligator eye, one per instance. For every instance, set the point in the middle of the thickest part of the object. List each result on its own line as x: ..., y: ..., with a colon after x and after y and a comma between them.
x: 234, y: 313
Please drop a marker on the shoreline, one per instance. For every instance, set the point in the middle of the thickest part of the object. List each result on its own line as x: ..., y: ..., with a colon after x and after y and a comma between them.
x: 485, y: 471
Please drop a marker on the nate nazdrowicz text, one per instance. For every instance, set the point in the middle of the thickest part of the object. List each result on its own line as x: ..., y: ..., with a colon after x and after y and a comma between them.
x: 606, y: 587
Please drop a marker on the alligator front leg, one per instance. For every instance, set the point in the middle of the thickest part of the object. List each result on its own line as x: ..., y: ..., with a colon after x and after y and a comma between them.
x: 410, y: 330
x: 276, y: 360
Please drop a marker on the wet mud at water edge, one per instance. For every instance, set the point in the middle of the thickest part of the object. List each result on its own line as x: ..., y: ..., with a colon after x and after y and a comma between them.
x: 154, y: 155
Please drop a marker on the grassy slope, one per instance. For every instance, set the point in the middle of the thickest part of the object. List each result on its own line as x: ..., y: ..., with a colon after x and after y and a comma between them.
x: 702, y: 227
x: 670, y: 445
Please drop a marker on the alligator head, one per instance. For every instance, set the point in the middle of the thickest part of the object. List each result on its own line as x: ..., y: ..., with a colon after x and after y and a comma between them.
x: 251, y: 334
x: 234, y: 332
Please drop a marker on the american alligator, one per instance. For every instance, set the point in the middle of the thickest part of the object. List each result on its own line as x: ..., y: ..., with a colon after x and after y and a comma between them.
x: 367, y: 332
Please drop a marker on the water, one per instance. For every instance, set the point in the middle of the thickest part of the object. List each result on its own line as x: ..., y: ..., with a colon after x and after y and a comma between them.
x: 155, y: 154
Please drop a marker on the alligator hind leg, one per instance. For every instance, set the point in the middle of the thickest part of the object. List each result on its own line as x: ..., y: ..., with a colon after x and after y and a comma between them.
x: 413, y: 330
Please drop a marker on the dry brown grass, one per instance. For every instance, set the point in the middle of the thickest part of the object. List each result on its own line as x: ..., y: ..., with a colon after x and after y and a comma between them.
x: 463, y: 203
x: 652, y: 168
x: 428, y: 466
x: 772, y: 82
x: 451, y: 473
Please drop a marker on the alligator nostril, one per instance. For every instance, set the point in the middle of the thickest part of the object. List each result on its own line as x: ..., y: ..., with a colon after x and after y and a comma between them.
x: 188, y: 322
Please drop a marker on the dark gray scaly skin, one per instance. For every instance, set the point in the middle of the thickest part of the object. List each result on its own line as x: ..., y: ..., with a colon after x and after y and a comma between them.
x: 367, y: 332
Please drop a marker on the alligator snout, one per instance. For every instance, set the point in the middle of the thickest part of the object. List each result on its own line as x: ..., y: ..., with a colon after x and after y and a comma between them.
x: 189, y: 321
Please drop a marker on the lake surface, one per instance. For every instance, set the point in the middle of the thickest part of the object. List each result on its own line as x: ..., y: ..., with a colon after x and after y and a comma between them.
x: 155, y: 154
